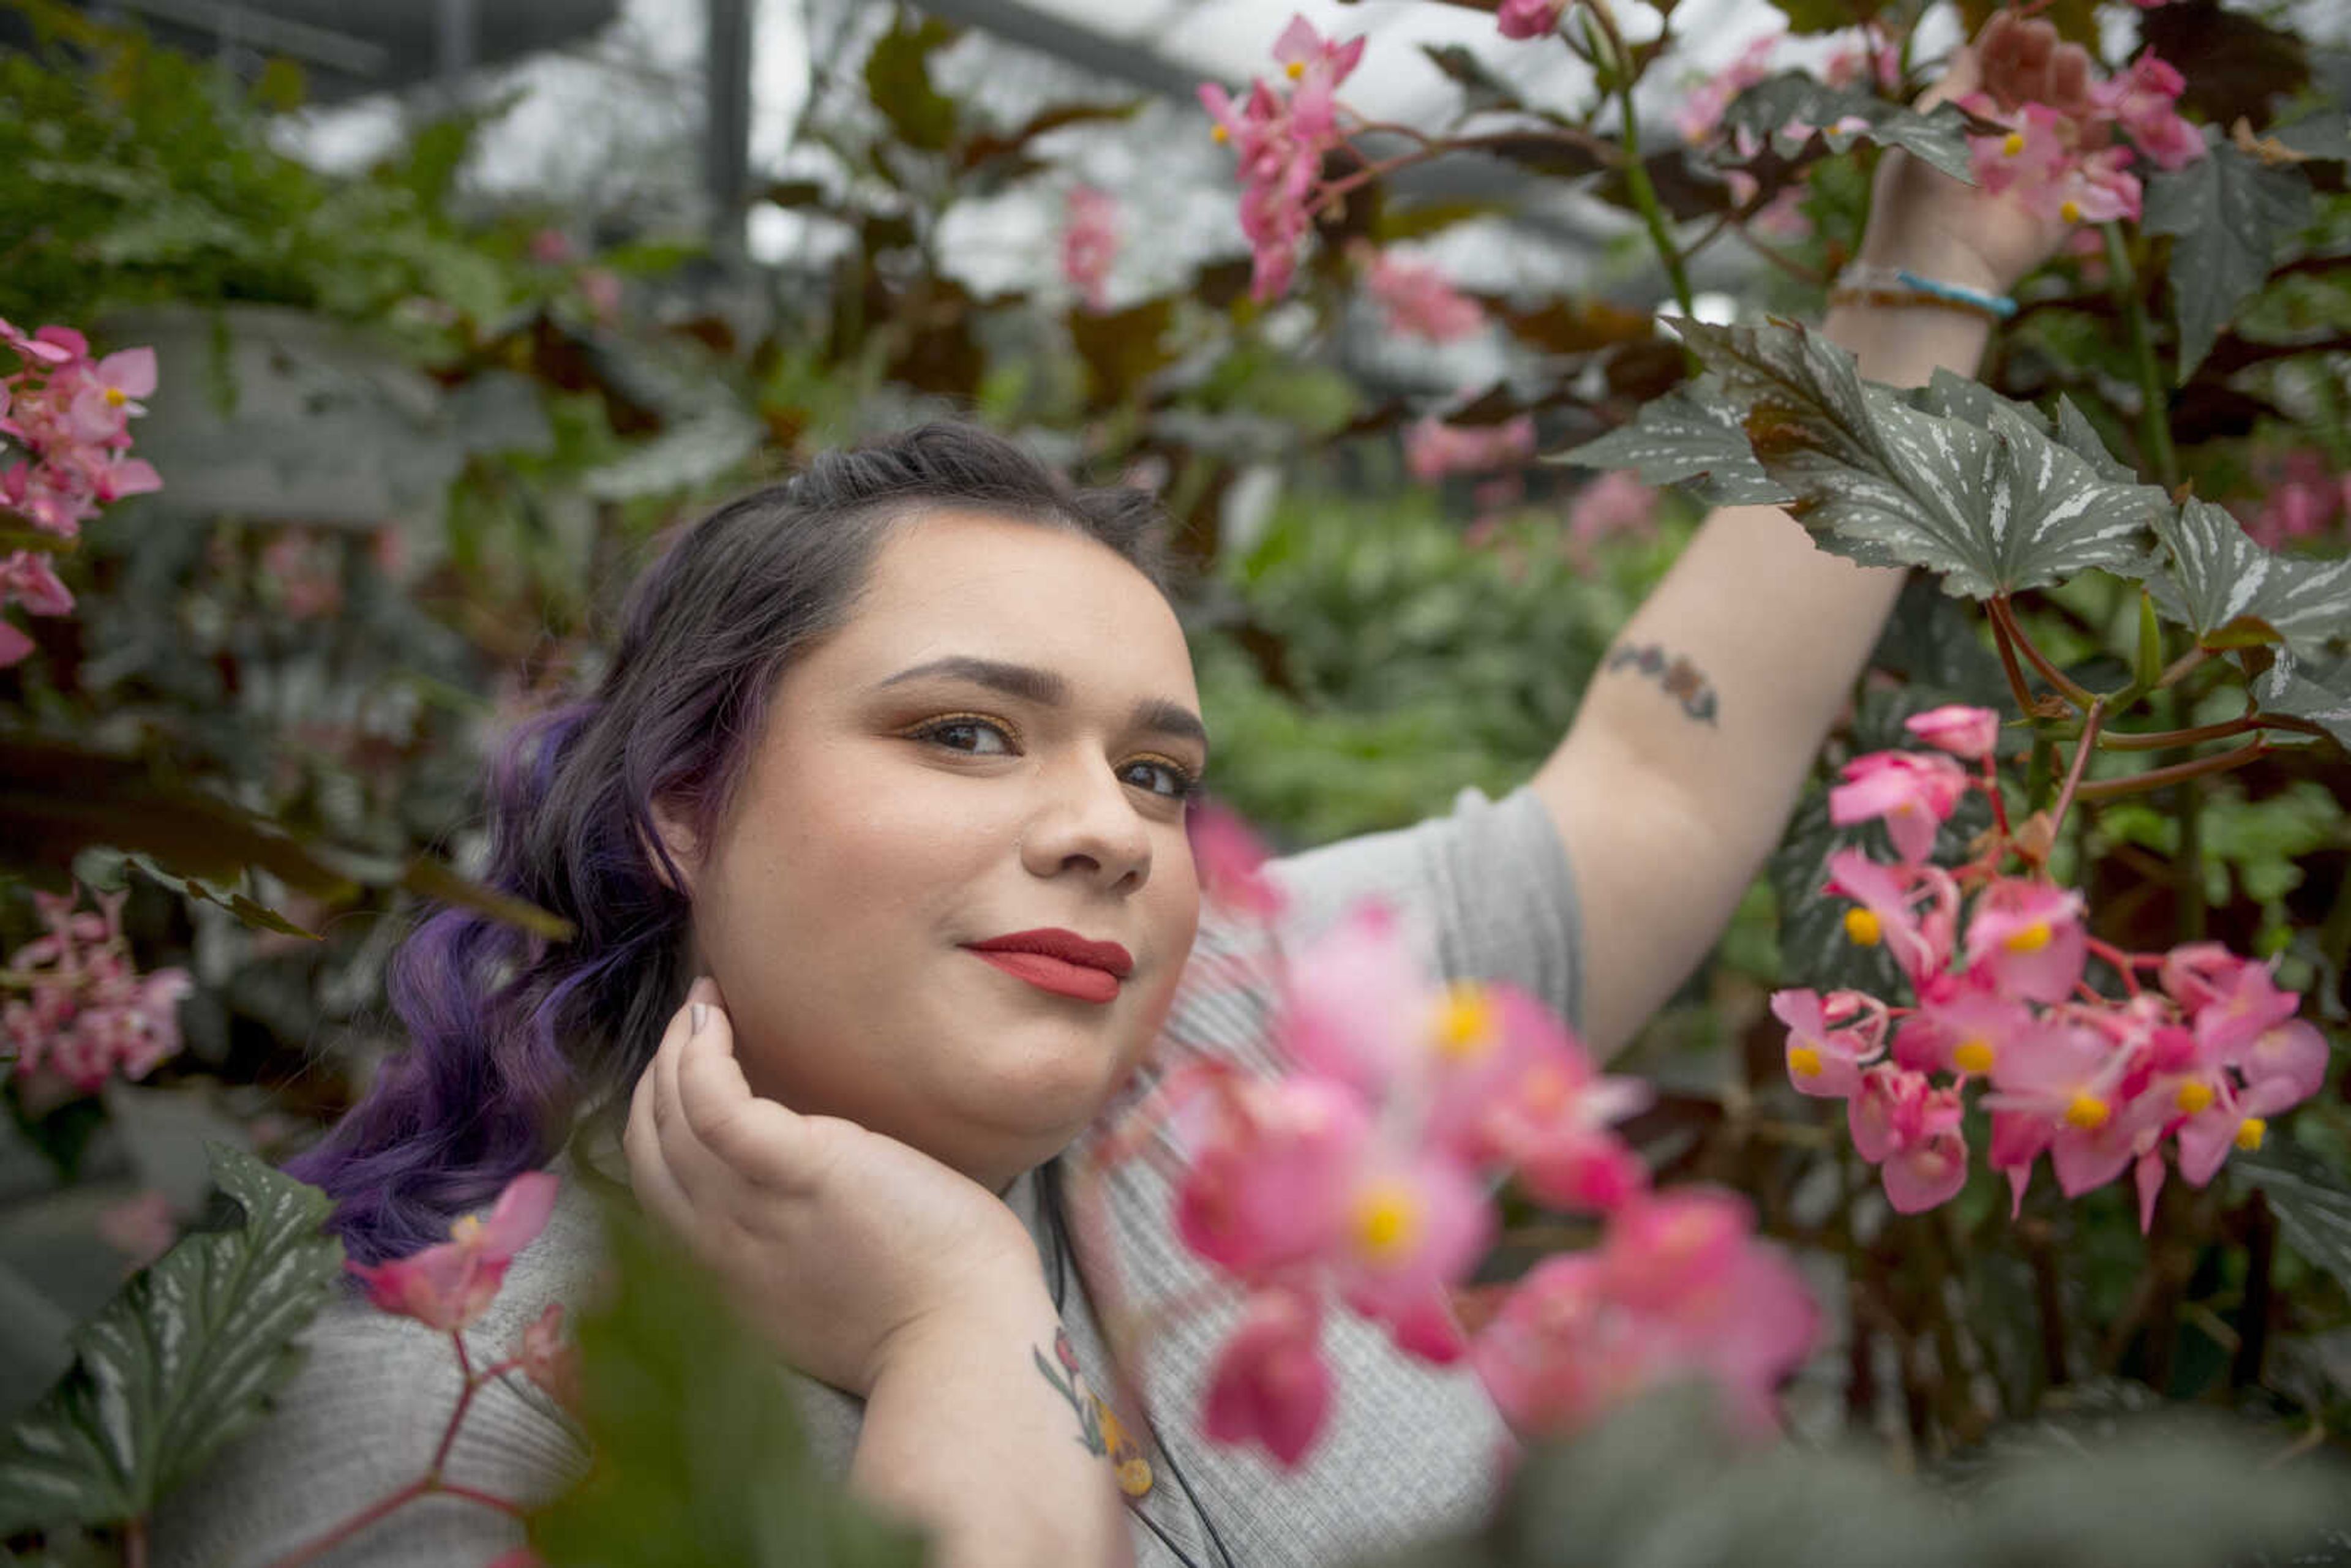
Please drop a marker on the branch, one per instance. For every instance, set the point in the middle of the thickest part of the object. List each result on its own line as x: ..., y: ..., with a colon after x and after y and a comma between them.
x: 2156, y: 778
x: 2097, y: 716
x: 2080, y: 695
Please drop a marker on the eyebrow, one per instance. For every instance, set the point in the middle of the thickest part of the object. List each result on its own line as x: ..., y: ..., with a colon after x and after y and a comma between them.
x: 1046, y: 689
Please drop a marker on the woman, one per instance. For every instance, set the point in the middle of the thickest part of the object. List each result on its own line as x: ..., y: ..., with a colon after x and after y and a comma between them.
x: 893, y: 758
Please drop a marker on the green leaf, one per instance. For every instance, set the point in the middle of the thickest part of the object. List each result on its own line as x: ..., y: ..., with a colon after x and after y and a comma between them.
x: 2320, y: 136
x: 1937, y: 138
x: 2312, y: 1204
x: 1993, y: 508
x: 2318, y: 690
x: 178, y: 1362
x: 699, y: 1458
x: 2235, y: 595
x: 1481, y: 90
x: 2228, y: 213
x: 1690, y: 434
x: 898, y: 83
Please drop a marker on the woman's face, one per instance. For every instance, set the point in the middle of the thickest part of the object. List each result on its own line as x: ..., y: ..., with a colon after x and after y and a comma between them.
x: 995, y: 744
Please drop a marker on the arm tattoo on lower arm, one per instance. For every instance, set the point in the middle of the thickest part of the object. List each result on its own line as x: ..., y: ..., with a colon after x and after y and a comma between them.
x: 1098, y: 1429
x: 1683, y: 681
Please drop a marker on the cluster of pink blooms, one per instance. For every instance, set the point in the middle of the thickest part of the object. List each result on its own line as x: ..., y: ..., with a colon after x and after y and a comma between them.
x: 1432, y: 449
x: 2193, y: 1066
x: 70, y: 416
x: 1089, y: 242
x: 1363, y: 1176
x: 87, y: 1011
x: 2061, y: 158
x: 2304, y: 499
x: 1417, y: 298
x: 1616, y: 504
x: 1530, y: 19
x: 1282, y: 135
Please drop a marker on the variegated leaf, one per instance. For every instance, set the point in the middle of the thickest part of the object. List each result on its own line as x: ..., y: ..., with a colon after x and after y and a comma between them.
x: 2317, y: 689
x: 1691, y: 435
x: 2235, y: 595
x: 1993, y: 508
x: 1842, y: 113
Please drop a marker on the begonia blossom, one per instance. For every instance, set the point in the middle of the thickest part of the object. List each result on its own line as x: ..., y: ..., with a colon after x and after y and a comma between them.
x: 87, y: 1014
x: 1417, y: 298
x: 449, y: 1285
x: 1432, y: 448
x: 1913, y: 793
x: 2027, y: 939
x: 1530, y: 18
x: 1968, y: 733
x: 1270, y: 1384
x: 1090, y: 243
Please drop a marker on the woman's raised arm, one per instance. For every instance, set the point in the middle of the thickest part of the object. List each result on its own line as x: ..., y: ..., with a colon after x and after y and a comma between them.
x: 1687, y: 755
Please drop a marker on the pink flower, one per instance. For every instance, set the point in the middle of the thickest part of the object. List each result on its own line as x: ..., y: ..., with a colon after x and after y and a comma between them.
x: 2046, y: 159
x: 2304, y: 500
x: 601, y: 287
x: 87, y: 1013
x: 27, y: 579
x: 1914, y: 793
x: 1960, y: 1028
x: 1270, y: 1384
x: 141, y: 1228
x: 451, y: 1284
x: 1282, y: 142
x: 1418, y: 300
x: 1615, y: 503
x: 2059, y: 1089
x: 1874, y: 61
x: 1824, y: 1060
x: 550, y: 1360
x: 1432, y: 449
x: 1965, y: 732
x: 1090, y: 243
x: 1890, y: 911
x: 1700, y: 114
x: 1530, y: 18
x: 551, y: 246
x: 1910, y: 1129
x: 1267, y: 1191
x: 1230, y: 861
x: 1412, y: 1229
x: 108, y: 393
x: 2143, y: 101
x: 2026, y: 939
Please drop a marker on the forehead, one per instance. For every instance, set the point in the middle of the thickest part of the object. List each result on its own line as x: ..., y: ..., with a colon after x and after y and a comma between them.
x: 968, y: 583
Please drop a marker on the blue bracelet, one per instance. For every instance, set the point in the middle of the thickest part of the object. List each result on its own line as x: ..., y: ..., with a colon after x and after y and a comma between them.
x: 1999, y: 305
x: 1872, y: 283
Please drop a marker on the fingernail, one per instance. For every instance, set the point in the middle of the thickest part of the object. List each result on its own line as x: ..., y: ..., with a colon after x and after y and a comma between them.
x: 695, y: 1016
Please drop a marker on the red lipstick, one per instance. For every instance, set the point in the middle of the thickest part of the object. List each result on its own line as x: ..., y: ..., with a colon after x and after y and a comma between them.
x: 1061, y: 962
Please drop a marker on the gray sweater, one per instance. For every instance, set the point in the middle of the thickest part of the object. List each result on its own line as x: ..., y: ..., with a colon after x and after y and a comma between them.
x: 1409, y: 1449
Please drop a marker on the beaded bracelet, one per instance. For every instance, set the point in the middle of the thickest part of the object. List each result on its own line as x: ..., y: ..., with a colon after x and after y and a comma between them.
x: 1900, y: 286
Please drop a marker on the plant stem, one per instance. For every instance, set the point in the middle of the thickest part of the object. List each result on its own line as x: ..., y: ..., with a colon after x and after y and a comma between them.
x: 135, y: 1543
x: 2178, y: 669
x: 325, y: 1543
x: 2156, y: 778
x: 2253, y: 1310
x: 2155, y: 404
x: 1636, y: 173
x: 2080, y: 695
x: 2165, y: 740
x: 2016, y: 687
x: 2097, y: 716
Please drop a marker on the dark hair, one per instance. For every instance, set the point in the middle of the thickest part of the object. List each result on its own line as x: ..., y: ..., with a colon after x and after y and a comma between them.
x: 511, y: 1037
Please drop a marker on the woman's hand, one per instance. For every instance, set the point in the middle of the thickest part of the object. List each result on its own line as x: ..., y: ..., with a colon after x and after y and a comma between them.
x: 1922, y: 219
x: 846, y: 1248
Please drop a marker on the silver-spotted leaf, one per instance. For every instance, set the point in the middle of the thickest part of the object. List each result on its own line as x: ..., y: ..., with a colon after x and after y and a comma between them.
x: 1691, y: 433
x: 1992, y: 507
x: 2235, y: 595
x: 2228, y: 213
x: 179, y: 1361
x: 2312, y: 1204
x: 1842, y: 114
x: 2317, y: 690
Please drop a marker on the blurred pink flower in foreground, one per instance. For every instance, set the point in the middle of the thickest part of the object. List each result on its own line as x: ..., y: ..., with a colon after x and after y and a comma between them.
x: 1530, y: 18
x: 1090, y: 243
x: 449, y: 1285
x: 1700, y: 113
x: 1229, y: 859
x: 1914, y: 793
x: 2304, y: 499
x: 87, y: 1013
x: 1968, y: 733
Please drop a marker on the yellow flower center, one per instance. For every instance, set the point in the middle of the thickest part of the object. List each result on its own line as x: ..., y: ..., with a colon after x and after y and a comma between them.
x: 2193, y: 1097
x: 1805, y: 1061
x: 2070, y: 211
x: 1973, y: 1054
x: 2249, y: 1132
x: 1465, y: 1023
x: 1295, y: 69
x: 2088, y: 1112
x: 2031, y: 939
x: 467, y: 1231
x: 2014, y: 145
x: 1219, y: 133
x: 115, y: 397
x: 1864, y: 927
x: 1387, y: 1222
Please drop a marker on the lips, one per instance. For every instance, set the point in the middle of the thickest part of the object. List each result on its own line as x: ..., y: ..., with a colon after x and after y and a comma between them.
x: 1060, y: 961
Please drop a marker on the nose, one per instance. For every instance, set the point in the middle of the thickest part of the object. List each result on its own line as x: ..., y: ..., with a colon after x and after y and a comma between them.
x: 1084, y: 823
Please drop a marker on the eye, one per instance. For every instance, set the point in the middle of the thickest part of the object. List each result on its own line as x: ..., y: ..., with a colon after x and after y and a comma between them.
x: 969, y: 733
x: 1160, y: 777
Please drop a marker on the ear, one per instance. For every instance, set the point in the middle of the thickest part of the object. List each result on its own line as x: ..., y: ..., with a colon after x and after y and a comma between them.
x: 678, y: 837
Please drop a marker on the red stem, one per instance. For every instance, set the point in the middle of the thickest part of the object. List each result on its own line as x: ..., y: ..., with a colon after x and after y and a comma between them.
x: 2164, y: 740
x: 2097, y: 716
x: 2076, y: 693
x: 503, y: 1504
x: 1991, y: 788
x: 456, y: 1417
x: 2120, y: 961
x: 2156, y: 778
x: 135, y: 1543
x: 2004, y: 641
x: 354, y: 1524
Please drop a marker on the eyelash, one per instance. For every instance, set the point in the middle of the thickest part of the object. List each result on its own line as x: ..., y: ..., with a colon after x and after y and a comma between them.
x: 1186, y: 782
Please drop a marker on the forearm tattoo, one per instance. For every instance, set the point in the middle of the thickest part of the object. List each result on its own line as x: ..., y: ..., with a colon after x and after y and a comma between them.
x: 1683, y: 681
x: 1099, y: 1428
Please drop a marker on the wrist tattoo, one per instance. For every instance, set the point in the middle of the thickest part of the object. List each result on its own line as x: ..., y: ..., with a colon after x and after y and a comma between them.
x: 1100, y: 1430
x: 1683, y: 681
